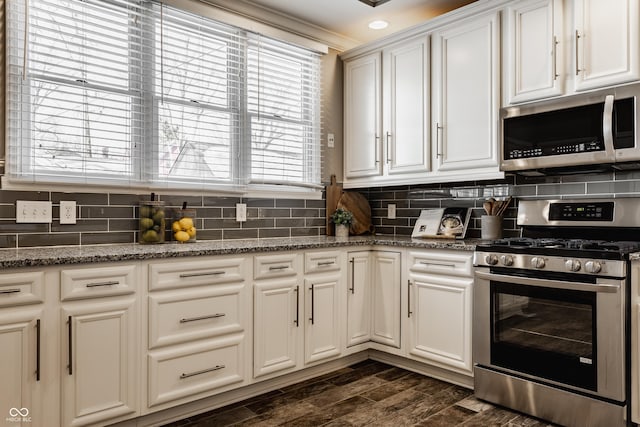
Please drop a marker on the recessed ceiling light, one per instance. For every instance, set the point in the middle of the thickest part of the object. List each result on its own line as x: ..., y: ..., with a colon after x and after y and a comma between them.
x: 378, y: 24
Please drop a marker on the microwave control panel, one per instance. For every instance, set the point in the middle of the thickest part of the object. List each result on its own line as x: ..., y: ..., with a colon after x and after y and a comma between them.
x: 582, y: 147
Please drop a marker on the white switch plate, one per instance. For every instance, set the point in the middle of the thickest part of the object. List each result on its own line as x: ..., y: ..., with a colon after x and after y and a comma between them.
x: 67, y: 212
x: 391, y: 211
x: 241, y: 212
x: 28, y: 211
x: 331, y: 140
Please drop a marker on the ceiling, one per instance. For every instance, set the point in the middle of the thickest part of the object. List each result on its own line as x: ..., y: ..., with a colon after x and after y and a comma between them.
x: 349, y: 18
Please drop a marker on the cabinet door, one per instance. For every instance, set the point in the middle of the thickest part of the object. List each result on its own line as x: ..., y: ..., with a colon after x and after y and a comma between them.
x: 534, y: 50
x: 362, y: 117
x: 322, y: 333
x: 99, y: 379
x: 276, y: 330
x: 405, y: 107
x: 359, y: 298
x: 386, y: 298
x: 466, y: 87
x: 606, y: 42
x: 440, y: 320
x: 20, y: 373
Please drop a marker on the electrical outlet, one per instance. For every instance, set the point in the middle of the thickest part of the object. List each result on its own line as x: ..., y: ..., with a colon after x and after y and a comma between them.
x: 67, y: 212
x: 391, y: 211
x: 331, y: 140
x: 241, y: 212
x: 28, y: 211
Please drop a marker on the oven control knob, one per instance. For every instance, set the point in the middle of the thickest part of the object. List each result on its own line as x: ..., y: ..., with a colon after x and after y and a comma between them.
x: 593, y: 267
x: 506, y: 260
x: 491, y: 259
x: 537, y: 262
x: 572, y: 265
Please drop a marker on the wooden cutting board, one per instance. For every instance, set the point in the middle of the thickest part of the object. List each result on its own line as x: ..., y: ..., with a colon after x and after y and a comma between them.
x: 333, y: 193
x: 359, y: 206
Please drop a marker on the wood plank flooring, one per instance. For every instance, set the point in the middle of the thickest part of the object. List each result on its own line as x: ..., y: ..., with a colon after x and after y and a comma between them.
x: 369, y: 393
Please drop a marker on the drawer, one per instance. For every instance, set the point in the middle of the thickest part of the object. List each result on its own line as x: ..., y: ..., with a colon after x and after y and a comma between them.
x: 317, y: 262
x: 268, y: 266
x: 21, y: 288
x: 98, y: 282
x: 447, y: 263
x: 185, y: 315
x: 202, y: 272
x: 195, y: 369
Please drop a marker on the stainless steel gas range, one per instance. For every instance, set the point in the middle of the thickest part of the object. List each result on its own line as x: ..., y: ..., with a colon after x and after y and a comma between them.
x: 552, y: 315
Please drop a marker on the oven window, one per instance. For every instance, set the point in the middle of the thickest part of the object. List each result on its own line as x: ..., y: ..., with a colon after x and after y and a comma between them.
x: 547, y: 333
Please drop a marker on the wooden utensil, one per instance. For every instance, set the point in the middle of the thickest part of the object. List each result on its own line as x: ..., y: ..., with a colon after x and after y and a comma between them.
x: 359, y: 206
x: 333, y: 193
x: 487, y: 207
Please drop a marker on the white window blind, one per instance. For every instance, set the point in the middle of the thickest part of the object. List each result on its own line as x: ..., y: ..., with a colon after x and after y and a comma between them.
x: 134, y: 93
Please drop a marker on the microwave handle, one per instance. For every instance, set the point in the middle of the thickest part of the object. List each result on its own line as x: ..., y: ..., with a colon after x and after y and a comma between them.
x: 607, y: 127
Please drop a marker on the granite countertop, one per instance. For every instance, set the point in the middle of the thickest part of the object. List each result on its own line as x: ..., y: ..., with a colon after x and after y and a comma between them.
x: 64, y: 255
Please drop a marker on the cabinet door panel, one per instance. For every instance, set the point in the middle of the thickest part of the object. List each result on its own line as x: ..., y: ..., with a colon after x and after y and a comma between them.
x: 406, y: 91
x: 322, y: 338
x: 386, y: 298
x: 607, y: 42
x: 362, y: 117
x: 358, y: 298
x: 276, y: 326
x: 467, y: 95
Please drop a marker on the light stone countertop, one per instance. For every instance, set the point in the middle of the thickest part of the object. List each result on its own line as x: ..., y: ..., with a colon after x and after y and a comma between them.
x: 65, y: 255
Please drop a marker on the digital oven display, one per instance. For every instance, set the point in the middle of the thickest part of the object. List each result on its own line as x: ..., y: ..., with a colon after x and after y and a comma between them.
x: 600, y: 211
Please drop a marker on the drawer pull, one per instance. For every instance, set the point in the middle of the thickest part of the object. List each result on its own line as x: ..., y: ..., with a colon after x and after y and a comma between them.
x: 204, y: 371
x: 278, y: 267
x: 441, y: 264
x: 9, y: 291
x: 98, y: 284
x: 193, y: 319
x: 325, y: 263
x: 206, y: 273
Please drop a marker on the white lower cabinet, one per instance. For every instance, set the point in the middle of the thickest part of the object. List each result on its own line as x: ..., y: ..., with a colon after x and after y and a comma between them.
x: 198, y: 317
x: 385, y: 303
x: 358, y: 298
x: 439, y: 309
x: 99, y: 344
x: 277, y: 314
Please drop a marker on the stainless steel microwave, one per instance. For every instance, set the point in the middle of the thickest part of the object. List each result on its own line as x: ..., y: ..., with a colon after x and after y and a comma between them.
x: 590, y: 131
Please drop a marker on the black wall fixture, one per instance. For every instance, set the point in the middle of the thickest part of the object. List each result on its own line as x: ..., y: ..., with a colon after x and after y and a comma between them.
x: 374, y: 3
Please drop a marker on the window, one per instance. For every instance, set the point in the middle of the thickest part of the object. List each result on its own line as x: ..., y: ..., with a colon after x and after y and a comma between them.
x: 132, y: 93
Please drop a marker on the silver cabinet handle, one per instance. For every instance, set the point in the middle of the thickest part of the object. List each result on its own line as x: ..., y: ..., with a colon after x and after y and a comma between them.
x: 297, y: 321
x: 70, y: 349
x: 554, y: 57
x: 194, y: 319
x: 278, y: 267
x: 376, y: 149
x: 98, y: 284
x: 441, y: 264
x: 388, y: 147
x: 206, y: 273
x: 312, y: 304
x: 326, y: 263
x: 10, y: 291
x: 353, y: 275
x: 38, y: 350
x: 438, y: 139
x: 409, y: 298
x: 204, y: 371
x: 577, y: 52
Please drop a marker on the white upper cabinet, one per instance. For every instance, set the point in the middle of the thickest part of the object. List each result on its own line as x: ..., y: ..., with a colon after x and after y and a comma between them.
x: 606, y: 42
x: 466, y: 88
x: 534, y: 65
x: 386, y: 114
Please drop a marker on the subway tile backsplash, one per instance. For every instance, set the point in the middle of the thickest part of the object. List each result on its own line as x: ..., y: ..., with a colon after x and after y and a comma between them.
x: 112, y: 218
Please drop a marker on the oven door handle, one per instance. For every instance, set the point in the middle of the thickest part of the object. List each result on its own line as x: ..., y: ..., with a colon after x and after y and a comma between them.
x: 545, y: 283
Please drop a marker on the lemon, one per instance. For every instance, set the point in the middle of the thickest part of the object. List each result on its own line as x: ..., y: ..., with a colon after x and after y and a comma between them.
x: 186, y: 223
x: 175, y: 227
x: 181, y: 236
x: 191, y: 232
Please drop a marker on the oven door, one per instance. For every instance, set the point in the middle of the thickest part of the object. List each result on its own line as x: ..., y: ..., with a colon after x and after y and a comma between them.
x: 553, y: 331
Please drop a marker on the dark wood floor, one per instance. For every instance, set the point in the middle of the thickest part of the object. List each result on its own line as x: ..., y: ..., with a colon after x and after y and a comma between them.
x: 366, y: 394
